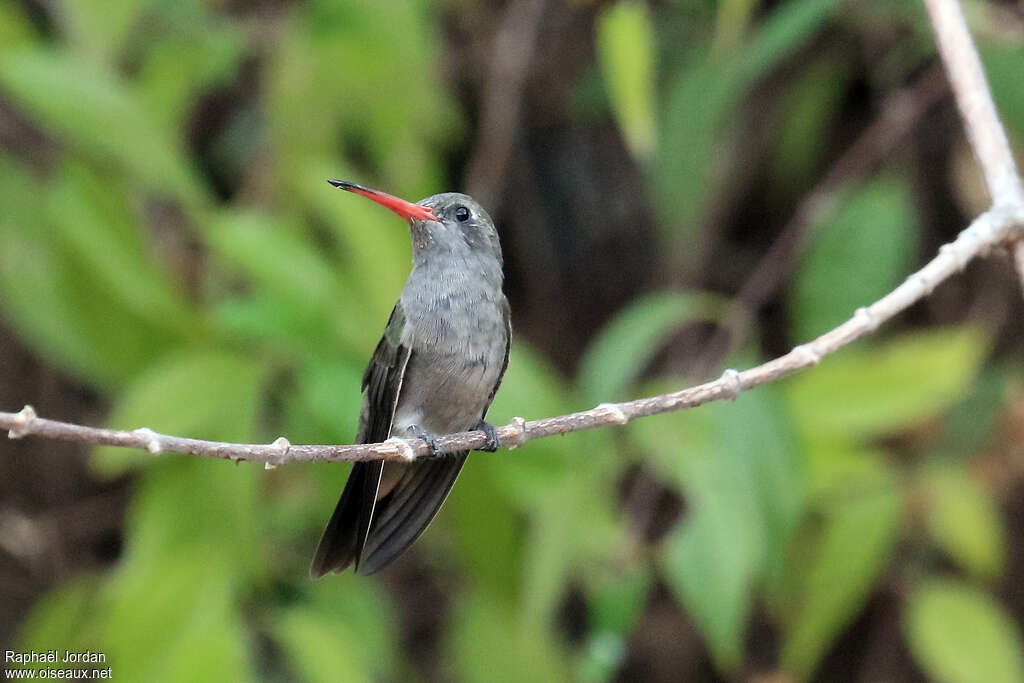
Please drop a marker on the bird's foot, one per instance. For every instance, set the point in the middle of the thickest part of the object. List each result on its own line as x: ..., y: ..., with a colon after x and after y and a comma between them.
x: 493, y: 442
x: 429, y: 438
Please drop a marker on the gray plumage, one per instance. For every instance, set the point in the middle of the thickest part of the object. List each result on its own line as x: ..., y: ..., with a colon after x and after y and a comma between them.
x: 435, y: 371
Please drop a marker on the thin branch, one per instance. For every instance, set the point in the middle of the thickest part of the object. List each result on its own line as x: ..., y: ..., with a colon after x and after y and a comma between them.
x: 974, y: 98
x: 989, y: 230
x: 1002, y: 224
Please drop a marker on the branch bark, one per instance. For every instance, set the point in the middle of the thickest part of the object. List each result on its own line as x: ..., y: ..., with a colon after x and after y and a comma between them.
x: 1000, y: 225
x: 981, y: 119
x: 974, y: 99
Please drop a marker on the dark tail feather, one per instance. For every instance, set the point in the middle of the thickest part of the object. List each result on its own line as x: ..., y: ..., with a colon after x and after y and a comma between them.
x: 343, y: 539
x: 408, y: 509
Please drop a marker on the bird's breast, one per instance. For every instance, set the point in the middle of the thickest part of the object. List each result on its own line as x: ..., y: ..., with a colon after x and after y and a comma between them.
x: 458, y: 340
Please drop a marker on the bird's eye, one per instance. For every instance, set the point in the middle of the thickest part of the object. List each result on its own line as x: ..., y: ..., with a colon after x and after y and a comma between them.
x: 461, y: 214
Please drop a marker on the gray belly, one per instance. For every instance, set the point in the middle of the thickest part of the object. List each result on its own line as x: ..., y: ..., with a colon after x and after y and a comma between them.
x: 451, y: 373
x: 444, y: 393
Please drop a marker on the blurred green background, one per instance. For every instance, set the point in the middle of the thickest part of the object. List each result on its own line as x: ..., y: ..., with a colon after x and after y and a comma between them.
x: 171, y: 257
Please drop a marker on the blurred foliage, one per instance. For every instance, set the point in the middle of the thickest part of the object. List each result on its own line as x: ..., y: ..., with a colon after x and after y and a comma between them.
x: 246, y: 313
x: 625, y: 48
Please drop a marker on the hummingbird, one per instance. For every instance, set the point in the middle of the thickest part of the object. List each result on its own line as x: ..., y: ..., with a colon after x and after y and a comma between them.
x: 435, y: 371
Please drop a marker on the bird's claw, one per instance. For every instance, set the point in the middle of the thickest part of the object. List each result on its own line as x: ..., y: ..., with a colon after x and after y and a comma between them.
x: 429, y: 438
x: 492, y: 442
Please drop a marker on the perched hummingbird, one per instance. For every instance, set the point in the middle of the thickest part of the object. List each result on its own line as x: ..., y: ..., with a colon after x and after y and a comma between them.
x: 435, y: 371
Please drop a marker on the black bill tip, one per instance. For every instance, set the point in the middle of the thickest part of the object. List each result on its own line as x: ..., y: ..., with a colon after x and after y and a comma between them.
x: 406, y: 210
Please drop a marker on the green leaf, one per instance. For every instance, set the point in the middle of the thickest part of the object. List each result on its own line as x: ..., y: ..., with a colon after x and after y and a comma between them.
x: 489, y: 546
x: 963, y: 518
x: 859, y: 256
x: 178, y: 67
x: 321, y: 649
x: 189, y: 506
x: 97, y: 29
x: 176, y: 622
x: 287, y: 267
x: 389, y: 51
x: 559, y: 545
x: 602, y: 656
x: 711, y: 563
x: 617, y: 600
x: 839, y: 467
x: 870, y: 392
x: 744, y: 504
x: 368, y: 609
x: 1002, y: 66
x: 732, y: 20
x: 625, y: 53
x: 91, y: 215
x: 959, y: 634
x: 71, y: 614
x: 811, y: 105
x: 56, y: 303
x: 854, y: 547
x: 329, y: 391
x: 552, y: 549
x: 274, y: 255
x: 15, y: 28
x: 269, y: 321
x: 31, y: 278
x: 627, y: 344
x: 972, y: 419
x: 191, y: 543
x: 766, y: 448
x: 198, y: 393
x: 95, y: 113
x: 700, y: 101
x: 486, y: 645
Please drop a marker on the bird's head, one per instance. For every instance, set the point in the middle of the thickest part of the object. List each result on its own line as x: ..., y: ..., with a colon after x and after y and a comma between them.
x: 448, y: 224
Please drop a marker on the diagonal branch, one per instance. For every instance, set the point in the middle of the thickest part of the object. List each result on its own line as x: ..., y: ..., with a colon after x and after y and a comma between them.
x: 1002, y: 224
x: 978, y: 111
x: 989, y: 230
x: 974, y: 98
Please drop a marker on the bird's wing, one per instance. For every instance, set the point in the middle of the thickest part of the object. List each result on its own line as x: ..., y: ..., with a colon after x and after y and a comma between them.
x: 506, y: 315
x: 343, y: 539
x: 382, y: 381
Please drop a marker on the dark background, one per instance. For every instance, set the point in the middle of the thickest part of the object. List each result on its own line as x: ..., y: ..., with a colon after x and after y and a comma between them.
x: 680, y: 187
